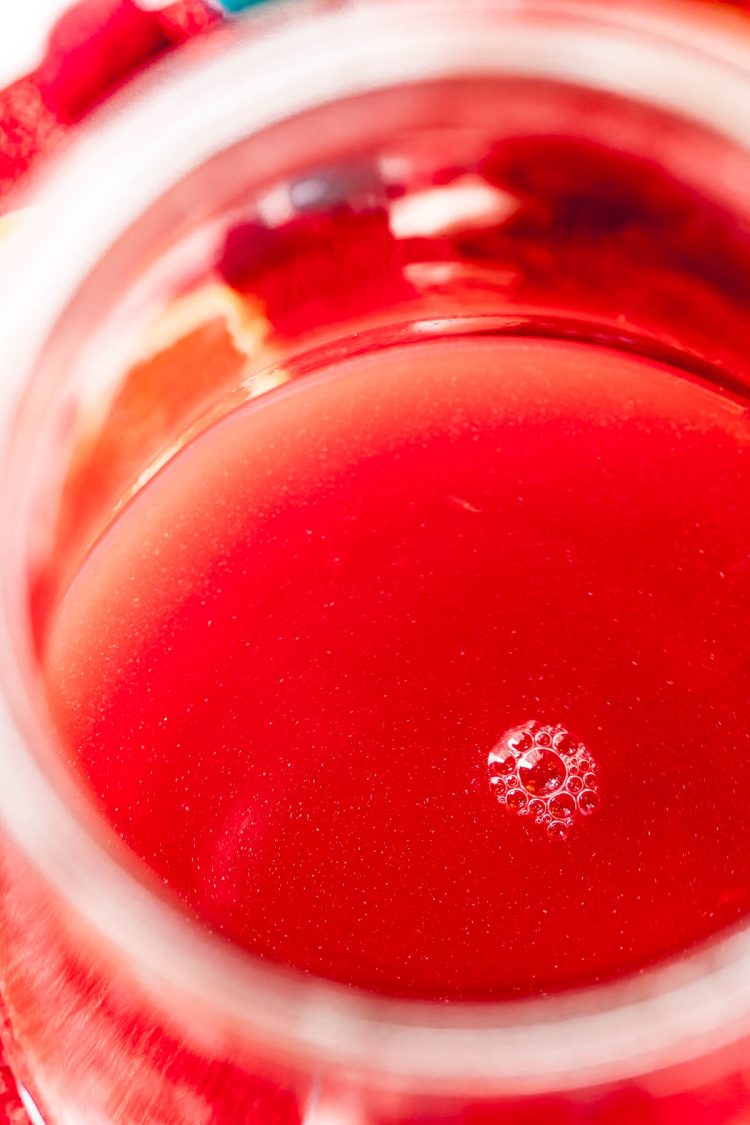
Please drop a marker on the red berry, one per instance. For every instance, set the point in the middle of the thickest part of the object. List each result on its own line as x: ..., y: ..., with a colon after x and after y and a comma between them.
x: 186, y: 18
x: 95, y: 45
x: 320, y: 266
x: 27, y: 128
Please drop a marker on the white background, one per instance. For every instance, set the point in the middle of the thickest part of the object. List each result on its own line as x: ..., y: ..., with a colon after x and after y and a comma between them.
x: 23, y: 26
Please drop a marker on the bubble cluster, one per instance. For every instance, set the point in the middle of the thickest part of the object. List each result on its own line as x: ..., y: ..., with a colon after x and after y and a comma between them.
x: 545, y: 773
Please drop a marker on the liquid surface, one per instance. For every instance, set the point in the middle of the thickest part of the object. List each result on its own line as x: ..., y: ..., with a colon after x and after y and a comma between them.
x: 285, y: 666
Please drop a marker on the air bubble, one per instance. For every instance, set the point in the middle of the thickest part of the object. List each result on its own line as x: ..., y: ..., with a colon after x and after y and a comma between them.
x: 541, y: 772
x: 564, y: 744
x: 538, y: 810
x: 504, y: 765
x: 588, y: 802
x: 516, y: 800
x: 562, y: 806
x: 536, y: 770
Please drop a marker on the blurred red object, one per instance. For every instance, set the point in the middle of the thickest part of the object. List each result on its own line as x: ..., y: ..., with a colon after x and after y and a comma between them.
x: 11, y: 1109
x: 91, y: 50
x: 27, y: 128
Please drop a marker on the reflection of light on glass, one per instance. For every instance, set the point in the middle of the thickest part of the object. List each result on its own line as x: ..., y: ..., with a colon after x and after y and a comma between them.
x: 468, y: 203
x: 275, y: 207
x: 263, y: 381
x: 245, y: 321
x: 30, y: 1106
x: 324, y: 1110
x: 329, y: 1115
x: 437, y: 274
x: 438, y: 326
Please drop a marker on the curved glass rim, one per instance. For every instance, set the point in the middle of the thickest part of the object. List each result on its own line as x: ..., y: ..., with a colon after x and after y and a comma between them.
x: 668, y: 1014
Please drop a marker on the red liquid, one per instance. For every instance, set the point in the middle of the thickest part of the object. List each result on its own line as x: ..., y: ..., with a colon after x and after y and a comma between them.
x: 283, y: 667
